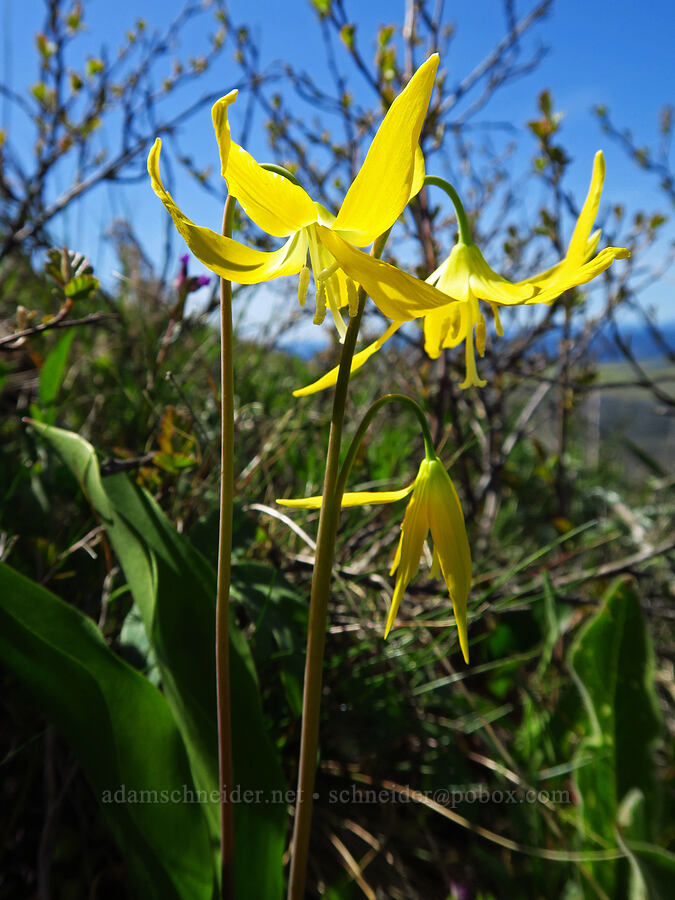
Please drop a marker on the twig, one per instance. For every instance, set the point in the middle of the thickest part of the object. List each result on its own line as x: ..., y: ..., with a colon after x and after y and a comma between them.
x: 7, y: 342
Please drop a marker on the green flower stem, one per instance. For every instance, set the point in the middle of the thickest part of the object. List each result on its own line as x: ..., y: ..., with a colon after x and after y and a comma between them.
x: 318, y: 612
x: 429, y: 450
x: 462, y: 218
x: 223, y: 590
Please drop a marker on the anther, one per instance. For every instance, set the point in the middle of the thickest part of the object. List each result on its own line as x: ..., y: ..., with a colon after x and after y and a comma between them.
x: 480, y: 336
x: 352, y: 298
x: 320, y: 313
x: 498, y: 321
x: 303, y: 285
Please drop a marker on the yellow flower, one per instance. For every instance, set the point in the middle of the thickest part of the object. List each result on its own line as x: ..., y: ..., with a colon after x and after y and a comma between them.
x: 433, y: 507
x: 579, y: 265
x: 448, y: 300
x: 392, y: 173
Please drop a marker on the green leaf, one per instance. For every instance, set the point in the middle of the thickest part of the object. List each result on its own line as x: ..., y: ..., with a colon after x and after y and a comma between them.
x: 612, y: 664
x: 323, y: 7
x: 39, y: 91
x: 54, y: 368
x: 347, y: 33
x: 122, y: 731
x: 80, y: 287
x: 94, y: 66
x: 174, y: 589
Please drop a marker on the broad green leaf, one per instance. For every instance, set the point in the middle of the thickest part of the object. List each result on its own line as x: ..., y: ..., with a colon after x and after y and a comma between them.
x: 174, y: 589
x: 54, y: 368
x: 612, y: 663
x: 122, y: 731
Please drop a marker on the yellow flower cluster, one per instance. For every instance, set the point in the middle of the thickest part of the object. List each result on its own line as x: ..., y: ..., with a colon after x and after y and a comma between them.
x: 329, y: 245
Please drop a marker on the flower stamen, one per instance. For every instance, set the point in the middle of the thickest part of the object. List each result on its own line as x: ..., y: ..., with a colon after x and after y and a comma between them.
x: 480, y: 336
x: 320, y: 313
x: 498, y: 321
x: 303, y: 285
x: 353, y: 298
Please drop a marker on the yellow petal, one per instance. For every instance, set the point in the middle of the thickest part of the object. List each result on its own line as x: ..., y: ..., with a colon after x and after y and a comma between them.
x: 356, y: 498
x: 542, y: 279
x: 451, y: 545
x: 445, y: 327
x: 383, y: 185
x: 435, y: 571
x: 564, y: 281
x: 436, y: 325
x: 577, y: 246
x: 398, y: 295
x: 414, y: 531
x: 486, y: 284
x: 465, y: 274
x: 221, y: 126
x: 419, y: 172
x: 453, y: 277
x: 222, y: 255
x: 399, y: 591
x: 273, y: 202
x: 330, y: 378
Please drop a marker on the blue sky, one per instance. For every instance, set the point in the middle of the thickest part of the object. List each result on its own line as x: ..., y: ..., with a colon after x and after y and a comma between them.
x: 604, y: 52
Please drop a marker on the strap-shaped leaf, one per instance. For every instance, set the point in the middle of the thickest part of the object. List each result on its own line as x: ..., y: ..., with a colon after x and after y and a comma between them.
x: 174, y: 588
x: 122, y: 731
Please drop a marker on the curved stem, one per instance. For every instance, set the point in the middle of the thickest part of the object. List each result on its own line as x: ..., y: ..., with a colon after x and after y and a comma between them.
x: 279, y: 170
x: 318, y: 613
x: 223, y: 590
x: 365, y: 424
x: 462, y: 218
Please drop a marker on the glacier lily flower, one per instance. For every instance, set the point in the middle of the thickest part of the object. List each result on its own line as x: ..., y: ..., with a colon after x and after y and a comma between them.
x: 433, y: 507
x: 392, y: 173
x: 580, y: 265
x: 448, y: 300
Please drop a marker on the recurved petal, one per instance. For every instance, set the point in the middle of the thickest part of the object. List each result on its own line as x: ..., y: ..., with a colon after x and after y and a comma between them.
x: 576, y: 252
x: 400, y: 296
x: 544, y: 279
x: 330, y: 378
x: 222, y: 255
x: 221, y: 126
x: 274, y: 203
x: 355, y: 498
x: 567, y: 279
x: 382, y: 188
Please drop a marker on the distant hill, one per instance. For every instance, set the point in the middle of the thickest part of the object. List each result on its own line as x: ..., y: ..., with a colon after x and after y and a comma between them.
x: 604, y: 348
